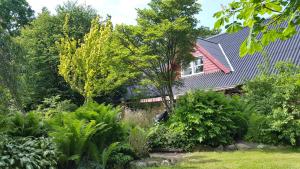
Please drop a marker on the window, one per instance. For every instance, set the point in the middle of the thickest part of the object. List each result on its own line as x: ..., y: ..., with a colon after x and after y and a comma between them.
x: 195, y: 67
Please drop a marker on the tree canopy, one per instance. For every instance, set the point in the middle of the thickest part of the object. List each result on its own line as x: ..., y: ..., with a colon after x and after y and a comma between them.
x: 162, y: 40
x: 273, y: 19
x: 42, y: 55
x: 90, y: 66
x: 14, y: 14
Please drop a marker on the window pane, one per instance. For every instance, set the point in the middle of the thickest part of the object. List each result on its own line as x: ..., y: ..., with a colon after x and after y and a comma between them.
x: 187, y: 71
x: 198, y: 61
x: 198, y: 69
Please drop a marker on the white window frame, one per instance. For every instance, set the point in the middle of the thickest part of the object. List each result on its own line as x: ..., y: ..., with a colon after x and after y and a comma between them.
x: 193, y: 66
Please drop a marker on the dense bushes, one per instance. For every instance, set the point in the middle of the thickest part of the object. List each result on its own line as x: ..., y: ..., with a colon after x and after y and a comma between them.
x: 27, y: 152
x: 23, y: 125
x: 90, y: 137
x: 84, y: 134
x: 277, y: 103
x: 208, y: 118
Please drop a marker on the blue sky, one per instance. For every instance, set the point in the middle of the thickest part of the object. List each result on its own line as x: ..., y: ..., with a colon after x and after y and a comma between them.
x: 123, y: 11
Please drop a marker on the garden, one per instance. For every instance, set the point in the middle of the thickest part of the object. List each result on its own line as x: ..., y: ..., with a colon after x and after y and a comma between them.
x: 64, y: 101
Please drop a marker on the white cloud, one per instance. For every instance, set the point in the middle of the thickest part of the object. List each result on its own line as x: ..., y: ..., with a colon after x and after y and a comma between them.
x: 122, y: 11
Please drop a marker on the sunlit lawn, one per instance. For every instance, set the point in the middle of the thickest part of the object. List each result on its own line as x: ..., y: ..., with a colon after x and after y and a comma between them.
x: 255, y: 159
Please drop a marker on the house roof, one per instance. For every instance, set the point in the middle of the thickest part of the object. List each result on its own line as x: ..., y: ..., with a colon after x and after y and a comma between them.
x: 242, y: 69
x: 215, y: 50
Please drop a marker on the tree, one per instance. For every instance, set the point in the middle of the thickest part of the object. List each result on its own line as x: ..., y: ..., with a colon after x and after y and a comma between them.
x: 10, y: 71
x: 14, y: 14
x: 42, y: 55
x: 261, y: 16
x: 163, y: 39
x: 90, y: 67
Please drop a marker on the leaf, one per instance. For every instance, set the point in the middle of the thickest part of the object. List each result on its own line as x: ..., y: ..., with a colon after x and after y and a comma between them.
x: 274, y: 6
x: 219, y: 23
x: 233, y: 27
x: 243, y: 49
x: 217, y: 14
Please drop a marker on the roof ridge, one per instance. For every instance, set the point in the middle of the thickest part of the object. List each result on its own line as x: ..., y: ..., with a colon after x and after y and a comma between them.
x: 208, y: 41
x: 215, y: 35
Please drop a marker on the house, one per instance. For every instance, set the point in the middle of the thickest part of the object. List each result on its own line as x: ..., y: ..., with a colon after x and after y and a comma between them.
x: 218, y: 65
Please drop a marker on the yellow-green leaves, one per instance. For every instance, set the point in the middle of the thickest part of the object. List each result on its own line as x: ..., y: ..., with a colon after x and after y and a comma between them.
x: 92, y: 67
x: 270, y: 19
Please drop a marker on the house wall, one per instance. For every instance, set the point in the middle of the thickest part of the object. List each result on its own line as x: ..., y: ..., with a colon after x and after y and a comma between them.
x: 209, y: 66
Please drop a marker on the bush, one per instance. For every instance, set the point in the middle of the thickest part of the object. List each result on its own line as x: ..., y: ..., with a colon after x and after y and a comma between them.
x: 138, y: 141
x: 84, y: 134
x: 27, y: 152
x: 207, y: 118
x: 23, y: 125
x: 162, y: 137
x: 276, y: 97
x: 54, y: 105
x: 120, y: 156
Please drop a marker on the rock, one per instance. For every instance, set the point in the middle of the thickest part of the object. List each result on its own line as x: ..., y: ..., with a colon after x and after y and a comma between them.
x: 261, y: 146
x: 165, y: 163
x: 231, y: 147
x: 220, y: 148
x: 152, y: 164
x: 246, y: 146
x: 137, y: 164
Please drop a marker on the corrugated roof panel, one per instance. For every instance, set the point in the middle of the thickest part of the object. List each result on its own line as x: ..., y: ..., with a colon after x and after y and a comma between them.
x: 245, y: 68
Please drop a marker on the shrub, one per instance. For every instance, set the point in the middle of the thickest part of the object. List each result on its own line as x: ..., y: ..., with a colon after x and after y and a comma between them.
x: 277, y: 98
x: 53, y: 105
x: 23, y: 125
x: 207, y: 118
x: 27, y: 152
x: 83, y: 135
x: 162, y: 137
x: 138, y: 141
x: 119, y: 156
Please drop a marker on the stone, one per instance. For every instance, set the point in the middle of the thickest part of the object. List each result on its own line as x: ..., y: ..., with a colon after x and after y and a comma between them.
x: 220, y: 148
x: 231, y: 147
x: 165, y: 163
x: 246, y: 146
x: 152, y: 163
x: 137, y: 164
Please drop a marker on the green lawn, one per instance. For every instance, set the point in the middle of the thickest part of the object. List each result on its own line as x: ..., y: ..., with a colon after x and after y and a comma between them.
x: 255, y: 159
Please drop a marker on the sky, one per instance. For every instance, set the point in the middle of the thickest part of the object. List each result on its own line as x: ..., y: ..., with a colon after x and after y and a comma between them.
x: 123, y: 11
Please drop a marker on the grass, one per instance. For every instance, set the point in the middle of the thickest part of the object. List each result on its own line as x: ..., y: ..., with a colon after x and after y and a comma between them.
x: 254, y: 159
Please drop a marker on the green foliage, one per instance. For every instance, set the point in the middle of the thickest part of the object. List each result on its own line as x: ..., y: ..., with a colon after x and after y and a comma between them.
x: 209, y: 118
x: 118, y: 156
x: 163, y: 38
x: 262, y: 17
x: 84, y: 134
x: 138, y: 141
x: 15, y: 14
x: 91, y: 67
x: 276, y: 96
x: 10, y: 70
x: 27, y: 152
x: 4, y: 100
x: 162, y: 137
x: 42, y: 55
x: 206, y: 118
x: 24, y: 125
x: 54, y: 105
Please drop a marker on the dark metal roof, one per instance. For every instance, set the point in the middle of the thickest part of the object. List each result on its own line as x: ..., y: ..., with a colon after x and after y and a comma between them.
x: 244, y: 68
x: 215, y: 50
